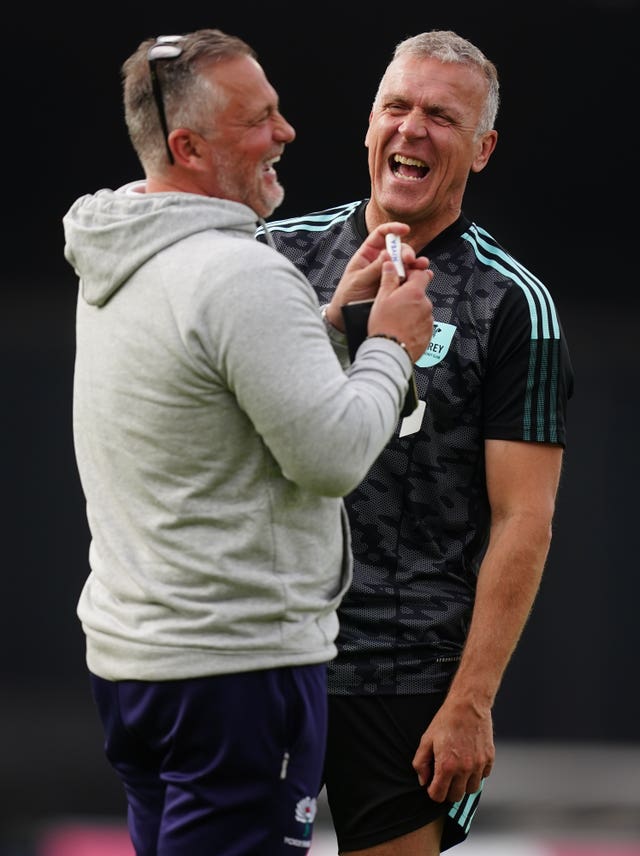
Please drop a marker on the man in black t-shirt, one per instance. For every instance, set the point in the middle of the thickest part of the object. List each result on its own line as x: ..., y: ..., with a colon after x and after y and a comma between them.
x: 452, y: 526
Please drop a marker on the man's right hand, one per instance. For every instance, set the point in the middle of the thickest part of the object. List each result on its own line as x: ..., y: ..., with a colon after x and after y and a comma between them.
x: 403, y: 310
x: 361, y: 278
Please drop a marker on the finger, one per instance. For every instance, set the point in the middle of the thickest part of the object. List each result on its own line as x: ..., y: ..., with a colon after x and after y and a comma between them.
x: 473, y: 784
x: 421, y: 277
x: 418, y: 263
x: 389, y: 279
x: 378, y: 236
x: 439, y: 788
x: 410, y: 260
x: 425, y: 774
x: 374, y: 243
x: 423, y: 762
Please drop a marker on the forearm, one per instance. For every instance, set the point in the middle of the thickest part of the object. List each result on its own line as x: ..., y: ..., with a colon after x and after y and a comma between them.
x: 508, y: 582
x: 457, y: 747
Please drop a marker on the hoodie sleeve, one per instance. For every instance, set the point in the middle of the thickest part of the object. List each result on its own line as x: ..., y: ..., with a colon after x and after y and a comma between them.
x: 324, y: 426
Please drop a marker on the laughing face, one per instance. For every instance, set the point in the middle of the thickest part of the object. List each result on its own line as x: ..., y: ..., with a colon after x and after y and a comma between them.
x: 248, y: 137
x: 423, y: 143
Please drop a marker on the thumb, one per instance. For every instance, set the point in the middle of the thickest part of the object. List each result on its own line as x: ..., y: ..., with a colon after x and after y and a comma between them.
x: 389, y: 279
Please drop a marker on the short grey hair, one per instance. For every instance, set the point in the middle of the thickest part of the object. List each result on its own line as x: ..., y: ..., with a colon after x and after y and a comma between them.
x: 188, y: 97
x: 448, y: 47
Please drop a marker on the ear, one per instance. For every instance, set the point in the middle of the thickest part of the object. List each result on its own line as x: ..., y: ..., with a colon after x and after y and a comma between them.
x: 187, y: 147
x: 485, y: 147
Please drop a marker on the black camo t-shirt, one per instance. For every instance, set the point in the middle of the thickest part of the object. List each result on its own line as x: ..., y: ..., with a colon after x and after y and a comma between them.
x: 497, y: 367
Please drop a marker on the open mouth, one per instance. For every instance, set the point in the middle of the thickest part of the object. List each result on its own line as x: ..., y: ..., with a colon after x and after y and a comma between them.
x: 413, y: 169
x: 268, y: 166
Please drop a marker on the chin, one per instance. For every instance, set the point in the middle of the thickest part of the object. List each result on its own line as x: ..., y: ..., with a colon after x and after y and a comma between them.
x: 270, y: 202
x: 401, y: 200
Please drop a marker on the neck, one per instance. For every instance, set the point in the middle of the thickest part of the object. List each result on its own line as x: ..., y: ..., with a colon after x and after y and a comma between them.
x: 172, y: 181
x: 422, y: 230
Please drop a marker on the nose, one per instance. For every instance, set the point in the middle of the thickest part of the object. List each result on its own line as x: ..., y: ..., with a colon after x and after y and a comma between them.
x: 413, y: 125
x: 283, y: 131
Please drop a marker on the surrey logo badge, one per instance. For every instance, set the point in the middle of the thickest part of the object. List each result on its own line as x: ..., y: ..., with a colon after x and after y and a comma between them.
x: 439, y: 344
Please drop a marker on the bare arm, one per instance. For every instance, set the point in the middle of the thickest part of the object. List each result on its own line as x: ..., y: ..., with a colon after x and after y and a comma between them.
x: 522, y: 483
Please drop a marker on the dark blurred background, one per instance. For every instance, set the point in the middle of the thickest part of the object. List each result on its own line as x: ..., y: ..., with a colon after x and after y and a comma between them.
x: 558, y: 193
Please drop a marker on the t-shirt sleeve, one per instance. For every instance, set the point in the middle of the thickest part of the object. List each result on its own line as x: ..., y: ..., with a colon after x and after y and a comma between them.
x: 529, y: 375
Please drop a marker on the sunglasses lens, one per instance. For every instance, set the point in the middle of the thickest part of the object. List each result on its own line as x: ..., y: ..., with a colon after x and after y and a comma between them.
x: 164, y: 52
x: 166, y: 47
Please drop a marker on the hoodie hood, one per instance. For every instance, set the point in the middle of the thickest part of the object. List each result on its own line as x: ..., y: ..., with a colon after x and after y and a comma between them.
x: 112, y: 233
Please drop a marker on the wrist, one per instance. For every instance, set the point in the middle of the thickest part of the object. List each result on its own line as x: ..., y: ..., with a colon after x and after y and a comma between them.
x: 330, y: 319
x: 391, y: 339
x: 478, y: 695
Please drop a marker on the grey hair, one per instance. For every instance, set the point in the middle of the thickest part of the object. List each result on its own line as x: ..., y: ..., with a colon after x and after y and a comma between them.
x: 448, y: 47
x: 189, y: 98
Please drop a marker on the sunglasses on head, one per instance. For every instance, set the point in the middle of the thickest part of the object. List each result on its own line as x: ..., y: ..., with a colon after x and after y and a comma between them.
x: 165, y: 47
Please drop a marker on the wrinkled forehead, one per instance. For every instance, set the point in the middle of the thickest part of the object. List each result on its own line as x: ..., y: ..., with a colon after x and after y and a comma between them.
x: 417, y: 79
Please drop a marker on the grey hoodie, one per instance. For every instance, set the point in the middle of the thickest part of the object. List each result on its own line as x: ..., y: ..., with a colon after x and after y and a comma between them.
x: 215, y: 433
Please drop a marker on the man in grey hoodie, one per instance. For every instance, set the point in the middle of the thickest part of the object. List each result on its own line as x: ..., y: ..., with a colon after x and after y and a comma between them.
x: 216, y: 430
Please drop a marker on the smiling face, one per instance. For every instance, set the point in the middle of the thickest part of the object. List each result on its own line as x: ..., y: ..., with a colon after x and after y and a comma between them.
x: 248, y: 137
x: 423, y: 144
